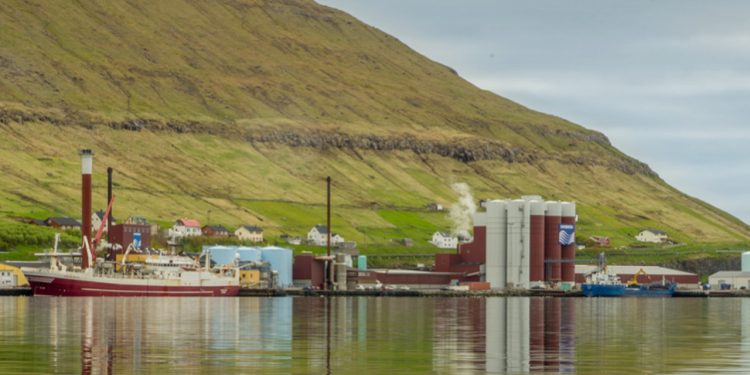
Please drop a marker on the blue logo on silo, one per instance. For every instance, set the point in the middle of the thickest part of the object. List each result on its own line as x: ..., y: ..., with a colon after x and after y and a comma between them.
x: 567, y: 234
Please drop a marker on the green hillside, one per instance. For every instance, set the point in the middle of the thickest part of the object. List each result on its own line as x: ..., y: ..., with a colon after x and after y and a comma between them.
x: 236, y: 110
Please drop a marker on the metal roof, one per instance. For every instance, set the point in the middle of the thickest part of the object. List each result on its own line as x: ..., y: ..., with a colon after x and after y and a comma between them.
x: 632, y: 270
x: 252, y: 228
x: 731, y: 274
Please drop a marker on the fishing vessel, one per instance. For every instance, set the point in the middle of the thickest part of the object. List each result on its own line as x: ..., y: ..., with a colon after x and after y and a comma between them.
x: 157, y: 277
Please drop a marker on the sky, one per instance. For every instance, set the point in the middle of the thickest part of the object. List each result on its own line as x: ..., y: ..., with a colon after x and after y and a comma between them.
x: 667, y: 81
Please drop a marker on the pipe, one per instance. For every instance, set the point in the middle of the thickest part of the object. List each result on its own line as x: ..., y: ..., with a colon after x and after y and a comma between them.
x: 87, y: 162
x: 109, y: 199
x: 328, y: 232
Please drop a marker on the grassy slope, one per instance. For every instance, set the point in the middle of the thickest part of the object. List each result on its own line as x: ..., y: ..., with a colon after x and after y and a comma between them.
x: 291, y: 65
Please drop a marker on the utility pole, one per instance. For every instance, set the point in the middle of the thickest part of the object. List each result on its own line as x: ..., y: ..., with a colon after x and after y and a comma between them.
x: 329, y: 271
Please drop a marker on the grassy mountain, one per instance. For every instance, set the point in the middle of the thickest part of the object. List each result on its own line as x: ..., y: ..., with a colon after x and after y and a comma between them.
x: 235, y: 110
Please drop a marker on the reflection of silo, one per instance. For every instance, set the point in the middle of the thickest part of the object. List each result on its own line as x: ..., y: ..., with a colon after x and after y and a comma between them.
x: 536, y: 243
x: 536, y: 335
x: 567, y: 335
x: 568, y: 252
x: 517, y: 260
x: 496, y: 244
x: 552, y: 250
x: 552, y: 334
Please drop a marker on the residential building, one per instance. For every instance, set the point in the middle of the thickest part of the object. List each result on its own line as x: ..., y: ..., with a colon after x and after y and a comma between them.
x: 63, y: 223
x: 250, y: 233
x: 185, y: 228
x: 601, y: 241
x: 124, y: 235
x: 318, y: 235
x: 215, y: 231
x: 652, y: 235
x: 444, y: 240
x: 96, y: 221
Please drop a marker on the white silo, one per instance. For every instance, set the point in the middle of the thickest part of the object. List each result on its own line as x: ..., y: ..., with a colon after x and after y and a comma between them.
x: 496, y: 244
x: 745, y: 261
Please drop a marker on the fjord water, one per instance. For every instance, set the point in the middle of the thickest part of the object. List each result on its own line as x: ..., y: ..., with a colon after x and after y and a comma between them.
x: 373, y: 335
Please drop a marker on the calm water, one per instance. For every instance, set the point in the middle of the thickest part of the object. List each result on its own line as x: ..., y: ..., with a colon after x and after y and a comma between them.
x: 373, y: 335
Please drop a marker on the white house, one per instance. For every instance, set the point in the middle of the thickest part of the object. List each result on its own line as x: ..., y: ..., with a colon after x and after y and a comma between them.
x: 444, y: 240
x: 318, y: 235
x: 652, y: 235
x: 185, y: 228
x: 250, y: 233
x: 96, y: 221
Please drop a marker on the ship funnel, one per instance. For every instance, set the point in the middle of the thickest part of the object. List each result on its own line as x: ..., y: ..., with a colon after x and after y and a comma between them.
x: 88, y: 255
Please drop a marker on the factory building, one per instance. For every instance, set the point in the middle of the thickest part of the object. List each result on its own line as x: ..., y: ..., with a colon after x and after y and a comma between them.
x: 520, y: 243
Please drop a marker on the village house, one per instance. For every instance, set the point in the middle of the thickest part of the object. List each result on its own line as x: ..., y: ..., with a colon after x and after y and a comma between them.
x: 64, y: 223
x: 444, y: 240
x: 292, y: 240
x: 185, y: 228
x: 601, y: 241
x: 652, y: 235
x: 250, y: 233
x: 318, y: 235
x: 435, y: 207
x: 215, y: 231
x: 96, y: 221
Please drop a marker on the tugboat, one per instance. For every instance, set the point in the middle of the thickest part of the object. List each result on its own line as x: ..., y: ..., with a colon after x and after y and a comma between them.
x: 97, y: 277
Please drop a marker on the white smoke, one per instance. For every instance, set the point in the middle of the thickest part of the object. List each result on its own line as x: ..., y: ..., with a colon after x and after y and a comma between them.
x: 461, y: 212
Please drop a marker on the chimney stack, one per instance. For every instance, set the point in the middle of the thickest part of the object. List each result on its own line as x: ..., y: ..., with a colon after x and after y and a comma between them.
x: 87, y: 161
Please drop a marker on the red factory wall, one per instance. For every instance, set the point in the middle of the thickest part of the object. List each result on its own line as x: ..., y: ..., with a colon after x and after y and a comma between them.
x: 474, y: 252
x: 122, y: 234
x: 469, y: 258
x: 307, y: 268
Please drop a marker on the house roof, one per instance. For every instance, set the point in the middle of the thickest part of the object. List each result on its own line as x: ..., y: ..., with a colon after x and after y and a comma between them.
x: 100, y: 215
x: 189, y: 223
x: 216, y: 228
x: 252, y: 228
x: 322, y: 229
x: 655, y: 231
x: 64, y: 221
x: 444, y: 234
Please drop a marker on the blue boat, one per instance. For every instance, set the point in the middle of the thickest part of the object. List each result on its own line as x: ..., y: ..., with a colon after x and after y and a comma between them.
x: 603, y: 290
x: 650, y: 290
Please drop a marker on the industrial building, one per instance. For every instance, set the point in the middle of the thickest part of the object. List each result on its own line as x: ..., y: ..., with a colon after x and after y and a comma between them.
x: 643, y: 274
x: 276, y: 260
x: 520, y: 243
x: 733, y: 279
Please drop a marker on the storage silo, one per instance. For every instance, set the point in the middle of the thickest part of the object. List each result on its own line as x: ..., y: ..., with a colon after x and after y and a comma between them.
x: 496, y: 244
x: 249, y: 254
x: 517, y: 257
x: 222, y: 255
x: 552, y: 249
x: 567, y: 242
x: 280, y: 260
x: 745, y: 261
x: 536, y: 242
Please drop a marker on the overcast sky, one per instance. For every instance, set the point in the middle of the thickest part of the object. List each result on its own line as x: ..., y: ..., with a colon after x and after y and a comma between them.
x: 667, y: 81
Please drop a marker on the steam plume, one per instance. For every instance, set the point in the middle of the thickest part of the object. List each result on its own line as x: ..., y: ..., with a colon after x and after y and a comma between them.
x: 461, y: 212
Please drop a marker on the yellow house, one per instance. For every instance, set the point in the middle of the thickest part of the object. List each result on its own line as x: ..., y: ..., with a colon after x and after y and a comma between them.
x: 250, y: 233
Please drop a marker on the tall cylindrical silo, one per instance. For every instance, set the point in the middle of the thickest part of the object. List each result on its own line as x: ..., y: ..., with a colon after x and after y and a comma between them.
x: 222, y: 255
x: 745, y: 261
x: 567, y: 242
x: 280, y: 260
x: 552, y: 249
x: 496, y: 244
x: 536, y: 243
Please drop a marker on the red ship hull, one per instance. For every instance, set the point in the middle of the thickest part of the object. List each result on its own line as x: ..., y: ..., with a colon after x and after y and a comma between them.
x: 60, y: 286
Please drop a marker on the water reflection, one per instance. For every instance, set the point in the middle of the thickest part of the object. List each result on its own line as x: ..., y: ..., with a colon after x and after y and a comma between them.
x: 349, y: 335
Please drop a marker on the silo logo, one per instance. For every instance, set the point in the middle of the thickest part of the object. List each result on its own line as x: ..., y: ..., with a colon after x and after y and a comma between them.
x: 567, y: 234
